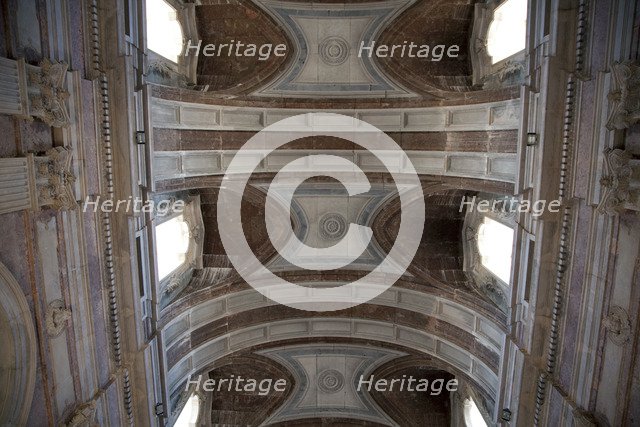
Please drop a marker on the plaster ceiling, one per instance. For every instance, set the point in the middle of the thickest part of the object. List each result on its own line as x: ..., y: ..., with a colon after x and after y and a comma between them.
x: 322, y: 42
x: 326, y: 62
x: 326, y: 382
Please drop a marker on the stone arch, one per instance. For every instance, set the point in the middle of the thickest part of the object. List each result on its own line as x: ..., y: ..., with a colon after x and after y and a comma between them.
x: 17, y: 353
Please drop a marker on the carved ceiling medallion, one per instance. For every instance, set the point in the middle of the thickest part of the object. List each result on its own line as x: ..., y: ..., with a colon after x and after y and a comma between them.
x: 333, y: 226
x: 334, y: 50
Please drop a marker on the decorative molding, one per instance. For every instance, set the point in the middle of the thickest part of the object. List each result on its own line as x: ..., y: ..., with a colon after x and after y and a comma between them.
x: 618, y: 325
x: 582, y: 36
x: 56, y: 318
x: 106, y: 166
x: 620, y: 183
x: 479, y: 165
x: 556, y: 313
x: 624, y: 95
x: 500, y: 115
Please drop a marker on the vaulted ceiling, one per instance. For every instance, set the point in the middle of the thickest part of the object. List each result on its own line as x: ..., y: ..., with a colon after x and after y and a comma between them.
x: 323, y: 40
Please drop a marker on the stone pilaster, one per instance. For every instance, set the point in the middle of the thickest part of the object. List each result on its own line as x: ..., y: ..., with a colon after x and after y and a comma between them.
x: 33, y: 182
x: 30, y: 91
x: 17, y: 184
x: 13, y: 87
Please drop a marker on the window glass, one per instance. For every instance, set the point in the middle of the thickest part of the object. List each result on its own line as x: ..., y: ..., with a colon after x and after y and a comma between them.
x: 189, y: 415
x: 172, y: 243
x: 472, y: 415
x: 164, y: 34
x: 507, y: 31
x: 495, y: 243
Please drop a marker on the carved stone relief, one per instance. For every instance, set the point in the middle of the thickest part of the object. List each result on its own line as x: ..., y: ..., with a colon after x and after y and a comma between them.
x: 618, y: 325
x: 47, y: 94
x: 56, y: 317
x: 33, y: 91
x: 619, y: 182
x: 54, y: 179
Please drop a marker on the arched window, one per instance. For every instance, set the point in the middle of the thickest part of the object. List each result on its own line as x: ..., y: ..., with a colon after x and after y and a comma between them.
x: 178, y: 238
x: 189, y: 415
x: 172, y: 244
x: 495, y: 244
x: 472, y: 415
x: 507, y: 31
x: 164, y: 33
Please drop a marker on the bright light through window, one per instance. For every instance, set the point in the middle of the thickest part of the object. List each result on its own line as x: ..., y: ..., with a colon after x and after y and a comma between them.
x: 507, y: 32
x: 164, y: 34
x: 189, y: 415
x: 495, y: 243
x: 472, y: 415
x: 172, y: 243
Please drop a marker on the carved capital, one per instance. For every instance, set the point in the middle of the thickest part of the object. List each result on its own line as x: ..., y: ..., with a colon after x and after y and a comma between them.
x: 625, y: 96
x: 56, y: 317
x: 47, y: 94
x: 54, y: 179
x: 616, y: 182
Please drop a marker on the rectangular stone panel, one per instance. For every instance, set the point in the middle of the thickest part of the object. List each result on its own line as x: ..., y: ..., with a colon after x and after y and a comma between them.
x: 207, y: 312
x: 416, y: 339
x: 199, y: 117
x: 457, y: 316
x: 290, y: 328
x: 467, y: 165
x: 457, y: 357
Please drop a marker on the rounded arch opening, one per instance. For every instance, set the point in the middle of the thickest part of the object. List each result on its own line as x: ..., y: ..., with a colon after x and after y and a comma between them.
x: 17, y: 353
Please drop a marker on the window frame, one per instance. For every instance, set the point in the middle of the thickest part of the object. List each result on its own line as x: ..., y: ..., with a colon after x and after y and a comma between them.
x: 484, y: 280
x: 181, y: 275
x: 486, y: 73
x: 186, y: 65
